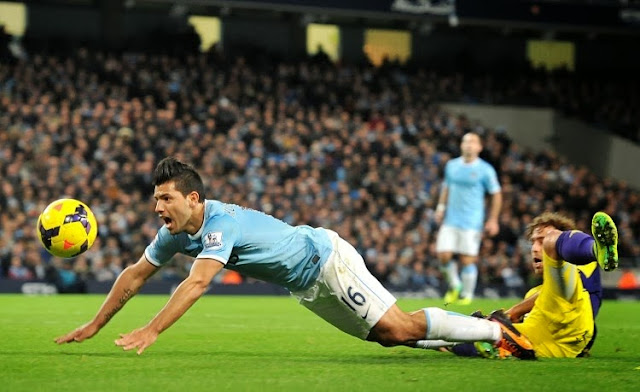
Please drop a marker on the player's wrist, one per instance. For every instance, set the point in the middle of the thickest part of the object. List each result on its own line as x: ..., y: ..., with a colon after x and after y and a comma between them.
x: 97, y: 323
x: 154, y: 326
x: 440, y: 207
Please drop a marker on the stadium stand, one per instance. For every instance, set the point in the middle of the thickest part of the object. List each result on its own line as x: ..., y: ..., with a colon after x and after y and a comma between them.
x: 354, y: 148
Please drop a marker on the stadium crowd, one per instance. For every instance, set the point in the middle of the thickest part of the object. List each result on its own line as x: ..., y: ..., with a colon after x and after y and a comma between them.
x: 603, y: 100
x: 356, y: 149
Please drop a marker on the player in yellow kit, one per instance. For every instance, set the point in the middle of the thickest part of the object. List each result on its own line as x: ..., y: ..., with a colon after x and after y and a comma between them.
x: 567, y: 328
x: 561, y: 323
x: 560, y: 313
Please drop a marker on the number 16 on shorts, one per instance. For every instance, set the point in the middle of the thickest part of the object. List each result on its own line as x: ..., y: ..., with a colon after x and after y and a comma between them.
x: 356, y: 300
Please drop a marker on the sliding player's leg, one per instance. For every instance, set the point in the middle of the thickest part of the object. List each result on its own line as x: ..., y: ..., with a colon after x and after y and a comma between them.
x: 605, y: 233
x: 580, y: 248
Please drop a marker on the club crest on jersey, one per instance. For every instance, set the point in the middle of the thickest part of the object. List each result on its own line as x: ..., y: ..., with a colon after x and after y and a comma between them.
x: 213, y: 240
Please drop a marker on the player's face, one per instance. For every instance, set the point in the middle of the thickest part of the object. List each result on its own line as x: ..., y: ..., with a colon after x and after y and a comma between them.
x: 173, y: 207
x: 470, y: 146
x: 536, y: 247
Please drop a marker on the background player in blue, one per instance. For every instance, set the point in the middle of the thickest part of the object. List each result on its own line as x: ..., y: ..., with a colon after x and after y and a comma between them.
x: 322, y: 271
x: 466, y: 181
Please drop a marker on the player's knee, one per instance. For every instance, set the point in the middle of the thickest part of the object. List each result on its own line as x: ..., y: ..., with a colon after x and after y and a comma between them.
x: 445, y: 257
x: 398, y: 328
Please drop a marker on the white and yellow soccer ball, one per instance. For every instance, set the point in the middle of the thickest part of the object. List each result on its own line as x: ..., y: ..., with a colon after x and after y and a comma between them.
x: 67, y: 228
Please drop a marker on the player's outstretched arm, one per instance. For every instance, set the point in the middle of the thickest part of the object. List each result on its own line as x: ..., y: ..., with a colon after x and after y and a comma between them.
x: 125, y: 287
x: 187, y: 293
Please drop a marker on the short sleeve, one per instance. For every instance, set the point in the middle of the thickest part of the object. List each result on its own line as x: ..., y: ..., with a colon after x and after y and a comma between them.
x: 491, y: 182
x: 161, y: 249
x: 218, y: 239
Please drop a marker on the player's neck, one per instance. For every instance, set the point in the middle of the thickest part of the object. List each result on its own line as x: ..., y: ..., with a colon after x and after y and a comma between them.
x: 469, y: 159
x: 197, y: 220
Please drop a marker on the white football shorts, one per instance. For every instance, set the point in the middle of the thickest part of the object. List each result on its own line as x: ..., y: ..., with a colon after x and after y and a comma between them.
x: 460, y: 241
x: 346, y: 294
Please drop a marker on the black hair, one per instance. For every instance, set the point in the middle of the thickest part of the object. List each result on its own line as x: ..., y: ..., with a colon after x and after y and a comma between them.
x: 185, y: 177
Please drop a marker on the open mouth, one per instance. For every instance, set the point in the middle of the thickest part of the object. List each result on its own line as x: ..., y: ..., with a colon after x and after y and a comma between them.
x: 537, y: 265
x: 167, y: 220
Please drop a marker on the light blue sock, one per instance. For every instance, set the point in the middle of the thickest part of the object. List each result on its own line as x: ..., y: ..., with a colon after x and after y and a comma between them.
x: 469, y: 275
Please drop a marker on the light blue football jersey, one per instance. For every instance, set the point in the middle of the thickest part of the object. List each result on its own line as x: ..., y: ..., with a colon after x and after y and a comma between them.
x: 467, y: 184
x: 251, y: 242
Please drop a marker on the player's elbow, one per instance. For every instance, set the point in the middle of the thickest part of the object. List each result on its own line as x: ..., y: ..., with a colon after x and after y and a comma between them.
x: 198, y: 283
x: 133, y: 274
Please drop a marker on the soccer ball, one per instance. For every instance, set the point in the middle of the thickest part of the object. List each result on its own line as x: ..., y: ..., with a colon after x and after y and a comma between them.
x: 67, y: 228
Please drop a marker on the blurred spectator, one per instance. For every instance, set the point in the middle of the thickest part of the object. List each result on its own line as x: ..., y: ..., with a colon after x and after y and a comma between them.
x: 100, y: 272
x: 417, y: 279
x: 69, y: 281
x: 18, y: 271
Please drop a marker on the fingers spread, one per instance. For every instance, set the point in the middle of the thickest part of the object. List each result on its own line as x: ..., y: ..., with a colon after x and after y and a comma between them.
x: 126, y: 342
x: 139, y: 340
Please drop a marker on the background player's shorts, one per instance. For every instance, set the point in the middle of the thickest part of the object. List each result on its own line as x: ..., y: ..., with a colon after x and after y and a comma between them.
x: 346, y: 294
x: 460, y: 241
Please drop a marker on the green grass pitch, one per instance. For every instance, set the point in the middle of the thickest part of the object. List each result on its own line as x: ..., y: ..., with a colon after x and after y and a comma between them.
x: 274, y: 344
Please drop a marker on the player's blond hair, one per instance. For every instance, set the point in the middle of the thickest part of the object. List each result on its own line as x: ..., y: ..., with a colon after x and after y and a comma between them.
x: 557, y: 220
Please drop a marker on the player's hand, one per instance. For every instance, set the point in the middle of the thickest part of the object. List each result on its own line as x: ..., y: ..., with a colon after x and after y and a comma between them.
x: 515, y: 318
x: 84, y: 332
x: 491, y: 227
x: 438, y: 215
x: 140, y: 338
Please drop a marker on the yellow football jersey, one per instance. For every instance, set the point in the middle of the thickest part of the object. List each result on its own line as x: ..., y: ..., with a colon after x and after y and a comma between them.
x: 561, y: 322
